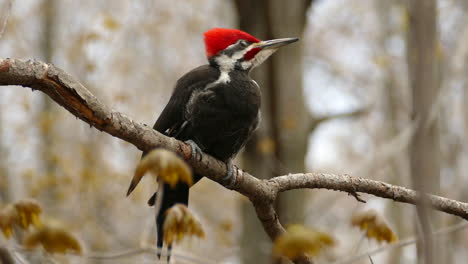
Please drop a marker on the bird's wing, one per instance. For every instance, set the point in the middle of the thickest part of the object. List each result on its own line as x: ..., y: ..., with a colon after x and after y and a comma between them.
x: 172, y: 118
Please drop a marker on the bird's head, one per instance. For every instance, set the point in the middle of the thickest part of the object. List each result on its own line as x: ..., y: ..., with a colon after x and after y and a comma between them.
x: 231, y: 49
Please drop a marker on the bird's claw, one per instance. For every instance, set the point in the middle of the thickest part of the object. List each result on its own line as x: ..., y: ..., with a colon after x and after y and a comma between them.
x: 231, y: 175
x: 196, y: 151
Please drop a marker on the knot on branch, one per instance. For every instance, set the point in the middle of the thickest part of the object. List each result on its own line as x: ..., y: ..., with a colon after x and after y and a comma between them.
x: 265, y: 192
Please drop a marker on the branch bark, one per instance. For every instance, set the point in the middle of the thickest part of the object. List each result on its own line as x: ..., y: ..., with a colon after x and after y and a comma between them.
x: 74, y: 97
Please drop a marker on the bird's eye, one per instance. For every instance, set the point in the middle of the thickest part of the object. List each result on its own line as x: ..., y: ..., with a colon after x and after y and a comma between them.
x: 243, y: 43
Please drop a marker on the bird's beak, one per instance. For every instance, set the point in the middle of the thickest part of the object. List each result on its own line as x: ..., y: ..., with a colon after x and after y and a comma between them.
x: 275, y: 43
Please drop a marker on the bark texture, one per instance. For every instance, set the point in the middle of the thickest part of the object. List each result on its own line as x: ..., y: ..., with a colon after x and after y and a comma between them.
x: 423, y: 73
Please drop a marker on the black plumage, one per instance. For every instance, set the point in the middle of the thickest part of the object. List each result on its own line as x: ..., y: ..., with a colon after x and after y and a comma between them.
x: 218, y: 115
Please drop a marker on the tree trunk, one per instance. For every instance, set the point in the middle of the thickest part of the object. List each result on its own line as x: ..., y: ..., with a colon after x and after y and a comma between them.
x: 259, y: 154
x: 8, y: 182
x: 397, y: 166
x: 5, y: 179
x: 290, y: 124
x: 279, y: 145
x: 424, y: 81
x: 46, y: 112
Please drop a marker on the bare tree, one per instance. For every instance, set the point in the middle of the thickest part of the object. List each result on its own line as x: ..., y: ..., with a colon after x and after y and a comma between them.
x: 279, y: 146
x: 421, y: 51
x: 259, y: 154
x: 392, y: 102
x: 5, y: 194
x: 45, y: 115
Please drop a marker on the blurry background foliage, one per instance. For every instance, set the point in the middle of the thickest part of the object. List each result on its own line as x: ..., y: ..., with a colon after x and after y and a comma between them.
x: 130, y: 53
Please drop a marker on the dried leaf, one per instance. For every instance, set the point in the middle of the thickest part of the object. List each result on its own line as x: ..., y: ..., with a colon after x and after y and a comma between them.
x: 374, y: 225
x: 165, y: 166
x: 299, y: 240
x: 179, y: 223
x: 28, y: 211
x: 8, y: 217
x: 54, y: 239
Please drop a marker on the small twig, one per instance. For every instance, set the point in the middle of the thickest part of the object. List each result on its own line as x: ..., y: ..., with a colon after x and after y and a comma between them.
x: 315, y: 121
x: 356, y: 196
x: 5, y: 9
x: 356, y: 248
x: 150, y: 250
x: 126, y: 254
x: 402, y: 243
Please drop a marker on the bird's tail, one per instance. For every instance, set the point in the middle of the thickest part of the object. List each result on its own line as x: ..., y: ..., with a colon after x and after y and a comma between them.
x: 170, y: 197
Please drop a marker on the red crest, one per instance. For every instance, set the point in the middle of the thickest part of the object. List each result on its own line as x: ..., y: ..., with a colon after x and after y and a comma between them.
x: 217, y: 39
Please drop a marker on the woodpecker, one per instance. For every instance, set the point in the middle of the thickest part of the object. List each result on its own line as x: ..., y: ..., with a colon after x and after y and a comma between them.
x: 215, y: 107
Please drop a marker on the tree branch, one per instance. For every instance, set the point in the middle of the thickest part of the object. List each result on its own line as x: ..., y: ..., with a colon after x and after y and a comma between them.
x: 74, y: 97
x: 315, y: 121
x: 352, y: 185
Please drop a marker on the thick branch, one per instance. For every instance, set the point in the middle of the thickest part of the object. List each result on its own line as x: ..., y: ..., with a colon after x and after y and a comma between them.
x: 353, y: 185
x: 74, y: 97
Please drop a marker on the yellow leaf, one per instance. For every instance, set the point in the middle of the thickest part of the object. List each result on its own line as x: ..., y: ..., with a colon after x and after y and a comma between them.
x: 54, y: 239
x: 165, y: 165
x: 299, y: 240
x: 374, y: 226
x: 383, y: 61
x: 110, y: 23
x: 404, y: 18
x: 180, y: 222
x: 46, y: 122
x: 8, y: 217
x: 266, y: 145
x: 289, y: 123
x: 28, y: 211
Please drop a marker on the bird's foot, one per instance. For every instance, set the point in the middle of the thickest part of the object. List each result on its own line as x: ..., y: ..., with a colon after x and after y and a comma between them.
x: 196, y: 151
x: 231, y: 175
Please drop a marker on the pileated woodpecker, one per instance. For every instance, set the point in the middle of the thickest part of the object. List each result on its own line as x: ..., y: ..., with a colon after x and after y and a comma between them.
x: 215, y: 107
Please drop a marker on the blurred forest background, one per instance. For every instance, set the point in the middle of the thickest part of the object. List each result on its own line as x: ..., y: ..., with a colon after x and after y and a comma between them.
x: 341, y: 101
